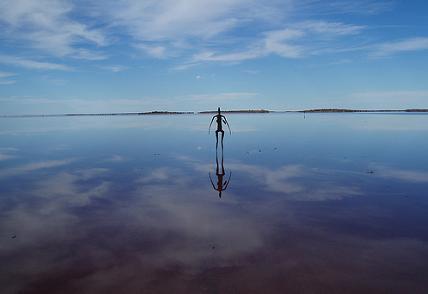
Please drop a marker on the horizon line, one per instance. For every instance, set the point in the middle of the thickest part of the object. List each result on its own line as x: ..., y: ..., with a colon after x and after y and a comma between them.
x: 157, y: 112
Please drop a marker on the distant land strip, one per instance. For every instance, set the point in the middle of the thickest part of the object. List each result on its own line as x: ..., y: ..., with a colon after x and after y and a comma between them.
x: 318, y: 110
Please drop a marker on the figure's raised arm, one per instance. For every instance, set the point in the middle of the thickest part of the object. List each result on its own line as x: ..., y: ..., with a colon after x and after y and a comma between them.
x: 211, y: 180
x: 209, y: 129
x: 227, y: 124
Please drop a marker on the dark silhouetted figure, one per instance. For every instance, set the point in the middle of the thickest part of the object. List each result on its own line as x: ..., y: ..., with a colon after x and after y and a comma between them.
x: 220, y: 119
x: 221, y: 183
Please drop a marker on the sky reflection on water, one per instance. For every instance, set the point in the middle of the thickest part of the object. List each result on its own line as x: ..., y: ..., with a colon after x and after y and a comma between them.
x: 333, y: 203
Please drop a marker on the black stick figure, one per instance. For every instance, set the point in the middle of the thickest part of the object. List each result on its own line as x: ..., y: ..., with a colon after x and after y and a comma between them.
x: 220, y: 119
x: 220, y: 173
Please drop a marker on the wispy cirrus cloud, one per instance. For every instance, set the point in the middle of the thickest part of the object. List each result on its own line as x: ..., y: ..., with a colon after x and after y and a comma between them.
x: 334, y: 7
x: 7, y: 153
x: 5, y: 78
x: 190, y: 31
x: 4, y: 74
x: 114, y: 68
x: 405, y: 175
x: 152, y: 50
x: 47, y: 25
x: 31, y: 64
x: 7, y: 82
x: 34, y: 166
x: 290, y: 42
x: 168, y: 20
x: 400, y: 46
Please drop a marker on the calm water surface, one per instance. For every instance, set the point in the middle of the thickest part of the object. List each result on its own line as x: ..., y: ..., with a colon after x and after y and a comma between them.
x: 333, y: 203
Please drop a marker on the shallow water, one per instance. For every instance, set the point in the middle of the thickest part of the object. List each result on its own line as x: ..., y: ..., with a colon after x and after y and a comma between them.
x: 331, y: 203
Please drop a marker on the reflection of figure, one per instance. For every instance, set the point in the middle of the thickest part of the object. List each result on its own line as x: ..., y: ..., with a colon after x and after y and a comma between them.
x: 220, y: 119
x: 221, y: 185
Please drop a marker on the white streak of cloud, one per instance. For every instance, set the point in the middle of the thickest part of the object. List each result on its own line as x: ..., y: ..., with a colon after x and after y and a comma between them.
x: 6, y: 156
x: 340, y: 7
x: 412, y: 176
x: 153, y: 51
x: 406, y: 45
x: 31, y: 64
x: 291, y: 42
x: 175, y: 20
x: 48, y: 26
x: 115, y: 68
x: 7, y: 82
x: 4, y: 74
x: 331, y: 28
x: 31, y: 167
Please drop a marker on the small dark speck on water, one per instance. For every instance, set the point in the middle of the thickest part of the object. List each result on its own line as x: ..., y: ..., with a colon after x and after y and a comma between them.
x: 260, y: 150
x: 13, y: 236
x: 370, y: 172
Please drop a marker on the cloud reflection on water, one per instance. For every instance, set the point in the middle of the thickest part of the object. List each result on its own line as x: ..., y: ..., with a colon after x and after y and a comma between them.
x: 160, y: 226
x: 99, y: 221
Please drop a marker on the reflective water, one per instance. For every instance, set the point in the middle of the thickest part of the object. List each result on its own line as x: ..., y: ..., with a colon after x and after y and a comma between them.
x: 330, y: 203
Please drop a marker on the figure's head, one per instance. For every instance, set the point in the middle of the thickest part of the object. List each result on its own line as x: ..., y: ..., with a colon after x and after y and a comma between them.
x: 218, y: 110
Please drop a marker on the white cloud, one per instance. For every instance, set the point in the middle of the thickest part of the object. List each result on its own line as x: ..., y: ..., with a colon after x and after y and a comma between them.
x: 296, y: 182
x: 64, y: 188
x: 166, y: 28
x: 31, y: 64
x: 341, y: 7
x: 152, y: 51
x: 89, y: 55
x: 330, y: 28
x: 412, y: 176
x: 4, y: 74
x: 178, y: 19
x: 5, y: 156
x: 7, y: 82
x: 227, y: 57
x: 116, y: 158
x: 115, y: 68
x: 278, y: 42
x: 34, y: 166
x: 48, y: 26
x: 286, y: 180
x: 406, y: 45
x: 296, y: 41
x: 199, y: 30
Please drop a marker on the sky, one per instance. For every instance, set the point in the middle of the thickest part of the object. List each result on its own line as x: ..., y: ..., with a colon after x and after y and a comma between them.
x: 62, y: 56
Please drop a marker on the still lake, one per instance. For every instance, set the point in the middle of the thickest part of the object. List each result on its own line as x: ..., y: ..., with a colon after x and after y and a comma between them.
x: 327, y: 203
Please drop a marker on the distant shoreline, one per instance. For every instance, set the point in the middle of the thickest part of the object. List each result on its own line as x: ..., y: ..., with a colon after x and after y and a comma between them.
x: 318, y: 110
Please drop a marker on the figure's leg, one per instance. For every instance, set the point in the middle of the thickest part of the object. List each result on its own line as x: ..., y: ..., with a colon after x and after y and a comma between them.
x: 222, y: 136
x: 216, y: 161
x: 216, y: 140
x: 222, y: 162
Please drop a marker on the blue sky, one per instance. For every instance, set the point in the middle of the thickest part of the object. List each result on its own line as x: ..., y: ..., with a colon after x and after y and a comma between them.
x: 134, y: 55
